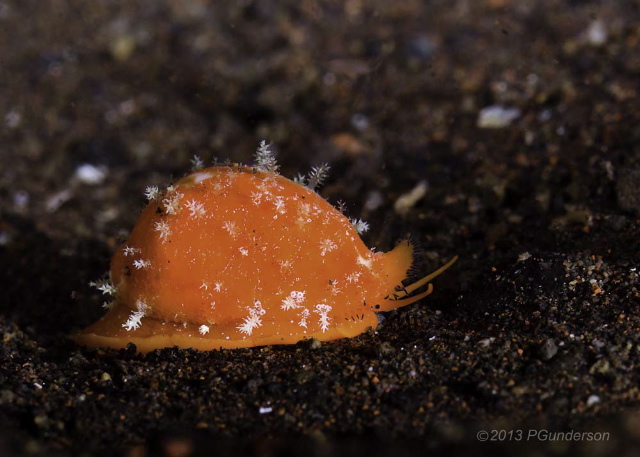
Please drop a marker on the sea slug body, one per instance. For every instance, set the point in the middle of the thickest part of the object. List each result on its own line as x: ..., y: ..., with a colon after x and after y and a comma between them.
x: 235, y: 256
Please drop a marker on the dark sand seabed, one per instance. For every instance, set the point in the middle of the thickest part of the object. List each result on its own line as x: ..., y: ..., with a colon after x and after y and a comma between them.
x: 537, y: 327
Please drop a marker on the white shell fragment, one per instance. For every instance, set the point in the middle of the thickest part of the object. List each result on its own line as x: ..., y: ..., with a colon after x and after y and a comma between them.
x: 497, y: 117
x: 405, y: 202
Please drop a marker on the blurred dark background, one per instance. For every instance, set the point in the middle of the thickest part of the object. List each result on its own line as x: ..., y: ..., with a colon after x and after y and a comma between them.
x: 514, y: 125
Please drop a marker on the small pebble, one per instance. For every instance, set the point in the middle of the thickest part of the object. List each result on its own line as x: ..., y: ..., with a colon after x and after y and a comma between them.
x: 421, y: 47
x: 524, y: 256
x: 374, y: 201
x: 496, y: 117
x: 91, y: 174
x: 592, y: 400
x: 548, y: 349
x: 485, y: 342
x: 407, y: 201
x: 597, y: 33
x: 602, y: 366
x: 58, y: 199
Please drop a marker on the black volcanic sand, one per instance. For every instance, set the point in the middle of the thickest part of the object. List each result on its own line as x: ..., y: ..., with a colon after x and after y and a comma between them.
x: 538, y: 324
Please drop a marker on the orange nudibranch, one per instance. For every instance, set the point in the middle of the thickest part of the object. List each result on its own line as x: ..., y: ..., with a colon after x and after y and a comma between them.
x: 233, y: 256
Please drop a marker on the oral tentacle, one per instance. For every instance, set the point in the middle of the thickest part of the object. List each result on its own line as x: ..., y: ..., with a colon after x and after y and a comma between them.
x: 406, y: 291
x: 389, y: 303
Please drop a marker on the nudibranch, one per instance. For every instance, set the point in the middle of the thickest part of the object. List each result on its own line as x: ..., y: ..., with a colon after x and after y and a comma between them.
x: 237, y: 256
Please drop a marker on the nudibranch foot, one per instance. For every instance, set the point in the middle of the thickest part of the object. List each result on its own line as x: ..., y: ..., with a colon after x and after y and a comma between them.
x: 151, y: 333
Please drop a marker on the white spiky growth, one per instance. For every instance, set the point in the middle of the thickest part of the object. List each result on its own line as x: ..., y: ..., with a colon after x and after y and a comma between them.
x: 254, y: 319
x: 104, y: 286
x: 304, y: 315
x: 360, y: 226
x: 293, y: 301
x: 265, y: 159
x: 163, y: 229
x: 327, y: 245
x: 196, y: 209
x: 135, y: 318
x: 171, y: 202
x: 128, y: 250
x: 317, y: 175
x: 142, y: 264
x: 152, y: 193
x: 322, y: 309
x: 196, y: 163
x: 230, y: 227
